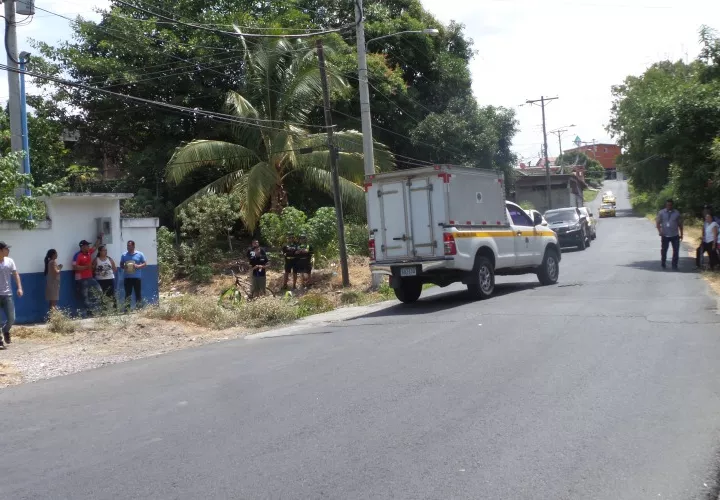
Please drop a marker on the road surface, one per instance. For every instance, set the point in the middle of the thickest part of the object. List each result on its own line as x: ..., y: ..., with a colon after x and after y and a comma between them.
x: 603, y: 387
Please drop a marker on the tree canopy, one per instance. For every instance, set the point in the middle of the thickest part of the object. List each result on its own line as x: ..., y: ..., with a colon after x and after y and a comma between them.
x: 667, y: 121
x: 417, y: 83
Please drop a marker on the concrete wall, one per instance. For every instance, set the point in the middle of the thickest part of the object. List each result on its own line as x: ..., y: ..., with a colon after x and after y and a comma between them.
x: 71, y: 219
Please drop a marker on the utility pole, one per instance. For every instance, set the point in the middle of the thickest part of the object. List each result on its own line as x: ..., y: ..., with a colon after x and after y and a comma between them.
x: 333, y: 165
x: 542, y: 101
x: 13, y: 79
x: 365, y: 117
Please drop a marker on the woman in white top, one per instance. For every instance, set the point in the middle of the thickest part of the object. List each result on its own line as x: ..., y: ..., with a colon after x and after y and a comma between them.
x: 104, y: 270
x: 710, y: 240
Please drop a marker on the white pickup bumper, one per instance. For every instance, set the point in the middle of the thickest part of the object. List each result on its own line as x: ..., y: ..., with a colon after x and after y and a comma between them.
x: 422, y: 266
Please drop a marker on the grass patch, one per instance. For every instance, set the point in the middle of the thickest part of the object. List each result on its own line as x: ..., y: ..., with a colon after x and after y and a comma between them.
x: 589, y: 195
x: 351, y: 297
x: 60, y: 322
x: 313, y: 304
x: 197, y: 310
x: 427, y: 286
x: 207, y: 312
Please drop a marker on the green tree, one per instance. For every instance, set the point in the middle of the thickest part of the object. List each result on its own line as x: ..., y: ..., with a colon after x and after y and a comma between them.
x: 48, y: 155
x: 25, y: 209
x: 594, y: 170
x: 271, y: 143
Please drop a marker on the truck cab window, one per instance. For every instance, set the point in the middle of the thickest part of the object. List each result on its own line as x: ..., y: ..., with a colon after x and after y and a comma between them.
x: 519, y: 217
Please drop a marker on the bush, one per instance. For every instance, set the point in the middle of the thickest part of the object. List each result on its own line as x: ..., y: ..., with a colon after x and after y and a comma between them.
x: 167, y: 255
x: 356, y: 239
x: 274, y: 228
x: 203, y: 221
x: 314, y: 304
x: 267, y: 311
x: 208, y: 312
x: 59, y: 322
x: 351, y: 297
x: 195, y: 309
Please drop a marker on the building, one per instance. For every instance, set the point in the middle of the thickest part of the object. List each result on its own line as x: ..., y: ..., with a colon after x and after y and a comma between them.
x: 566, y: 190
x: 606, y: 154
x: 72, y: 217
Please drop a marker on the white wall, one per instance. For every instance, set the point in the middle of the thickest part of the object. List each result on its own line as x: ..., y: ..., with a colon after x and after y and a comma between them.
x: 144, y: 233
x: 73, y: 219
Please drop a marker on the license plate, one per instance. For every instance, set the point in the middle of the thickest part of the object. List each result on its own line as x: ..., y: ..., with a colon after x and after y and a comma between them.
x: 408, y: 271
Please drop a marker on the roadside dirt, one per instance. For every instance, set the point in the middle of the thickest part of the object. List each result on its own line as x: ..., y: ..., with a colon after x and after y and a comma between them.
x: 36, y: 353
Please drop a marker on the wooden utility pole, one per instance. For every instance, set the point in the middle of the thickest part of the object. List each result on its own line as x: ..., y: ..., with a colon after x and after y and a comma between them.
x: 542, y: 101
x: 333, y: 165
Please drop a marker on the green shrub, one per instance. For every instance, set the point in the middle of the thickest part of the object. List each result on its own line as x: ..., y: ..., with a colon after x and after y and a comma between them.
x: 59, y: 322
x: 267, y: 311
x: 356, y: 239
x: 167, y: 255
x: 351, y: 297
x: 386, y: 291
x: 527, y: 205
x: 322, y: 232
x: 314, y: 304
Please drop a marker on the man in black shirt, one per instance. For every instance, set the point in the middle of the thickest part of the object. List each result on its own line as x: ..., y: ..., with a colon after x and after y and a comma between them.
x: 289, y: 251
x: 304, y: 260
x: 258, y: 262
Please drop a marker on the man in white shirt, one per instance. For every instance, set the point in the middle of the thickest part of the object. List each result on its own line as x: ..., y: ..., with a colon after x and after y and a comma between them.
x: 7, y: 306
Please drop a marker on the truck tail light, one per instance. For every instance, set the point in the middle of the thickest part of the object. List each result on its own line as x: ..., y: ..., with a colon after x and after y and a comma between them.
x: 371, y: 247
x: 449, y: 244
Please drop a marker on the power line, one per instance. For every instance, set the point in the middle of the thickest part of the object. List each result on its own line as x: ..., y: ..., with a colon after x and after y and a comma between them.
x: 236, y: 34
x: 193, y: 111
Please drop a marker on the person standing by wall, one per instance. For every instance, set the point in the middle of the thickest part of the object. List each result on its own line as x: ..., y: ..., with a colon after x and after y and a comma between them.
x: 8, y: 271
x: 104, y: 269
x: 85, y: 284
x: 52, y: 278
x: 132, y: 262
x: 258, y: 263
x: 670, y: 228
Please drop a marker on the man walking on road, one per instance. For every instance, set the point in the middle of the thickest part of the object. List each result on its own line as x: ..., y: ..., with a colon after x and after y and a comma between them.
x: 7, y: 271
x: 670, y: 228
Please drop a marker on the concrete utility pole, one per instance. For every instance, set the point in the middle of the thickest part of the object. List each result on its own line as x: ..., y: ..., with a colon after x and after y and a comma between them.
x: 365, y: 117
x: 13, y: 79
x: 542, y: 101
x: 333, y: 165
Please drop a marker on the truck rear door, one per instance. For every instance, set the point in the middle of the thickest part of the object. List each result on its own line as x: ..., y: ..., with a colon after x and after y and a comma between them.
x: 406, y: 230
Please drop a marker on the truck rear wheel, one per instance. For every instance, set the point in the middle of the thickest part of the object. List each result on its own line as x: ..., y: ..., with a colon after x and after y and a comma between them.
x: 549, y: 271
x: 485, y: 275
x: 408, y: 291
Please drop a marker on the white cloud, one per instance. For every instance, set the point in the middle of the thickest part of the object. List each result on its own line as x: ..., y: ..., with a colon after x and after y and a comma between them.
x: 573, y: 49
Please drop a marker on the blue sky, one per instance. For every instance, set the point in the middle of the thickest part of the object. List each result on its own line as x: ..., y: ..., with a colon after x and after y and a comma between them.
x: 526, y: 48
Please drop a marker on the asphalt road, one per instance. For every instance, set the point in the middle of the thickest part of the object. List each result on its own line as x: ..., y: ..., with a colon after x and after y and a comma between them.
x: 603, y: 387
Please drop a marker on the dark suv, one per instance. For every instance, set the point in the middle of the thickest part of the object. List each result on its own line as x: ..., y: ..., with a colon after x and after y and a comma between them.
x: 570, y: 225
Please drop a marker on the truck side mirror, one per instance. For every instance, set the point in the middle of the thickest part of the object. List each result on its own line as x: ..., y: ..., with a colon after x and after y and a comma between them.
x: 537, y: 219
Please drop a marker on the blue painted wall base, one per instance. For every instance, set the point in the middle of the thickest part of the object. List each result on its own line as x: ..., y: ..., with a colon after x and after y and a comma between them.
x: 33, y: 308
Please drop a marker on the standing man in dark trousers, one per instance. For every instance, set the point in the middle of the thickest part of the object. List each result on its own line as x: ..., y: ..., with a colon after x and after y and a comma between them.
x: 8, y: 272
x: 132, y: 263
x: 670, y: 228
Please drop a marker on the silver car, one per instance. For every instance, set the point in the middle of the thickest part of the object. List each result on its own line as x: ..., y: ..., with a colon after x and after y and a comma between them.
x: 592, y: 222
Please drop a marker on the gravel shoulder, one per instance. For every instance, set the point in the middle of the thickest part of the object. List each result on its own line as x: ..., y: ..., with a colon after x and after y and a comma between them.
x: 36, y: 353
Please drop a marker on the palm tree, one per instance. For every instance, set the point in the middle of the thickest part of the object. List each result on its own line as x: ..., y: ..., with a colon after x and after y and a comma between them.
x: 282, y: 89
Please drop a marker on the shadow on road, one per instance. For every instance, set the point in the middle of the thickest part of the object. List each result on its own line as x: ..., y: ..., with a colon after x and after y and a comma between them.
x: 627, y: 212
x: 447, y: 300
x: 686, y: 265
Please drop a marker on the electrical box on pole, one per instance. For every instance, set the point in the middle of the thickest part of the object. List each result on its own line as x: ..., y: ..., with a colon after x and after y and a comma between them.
x: 25, y: 7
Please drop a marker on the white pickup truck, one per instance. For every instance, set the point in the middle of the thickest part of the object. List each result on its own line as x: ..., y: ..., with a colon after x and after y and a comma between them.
x: 448, y: 224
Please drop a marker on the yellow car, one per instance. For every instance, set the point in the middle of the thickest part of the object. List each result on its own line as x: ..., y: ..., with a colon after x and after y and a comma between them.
x: 607, y: 210
x: 609, y: 198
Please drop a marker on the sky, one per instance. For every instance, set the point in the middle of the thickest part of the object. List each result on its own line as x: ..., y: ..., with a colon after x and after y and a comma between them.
x: 574, y: 50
